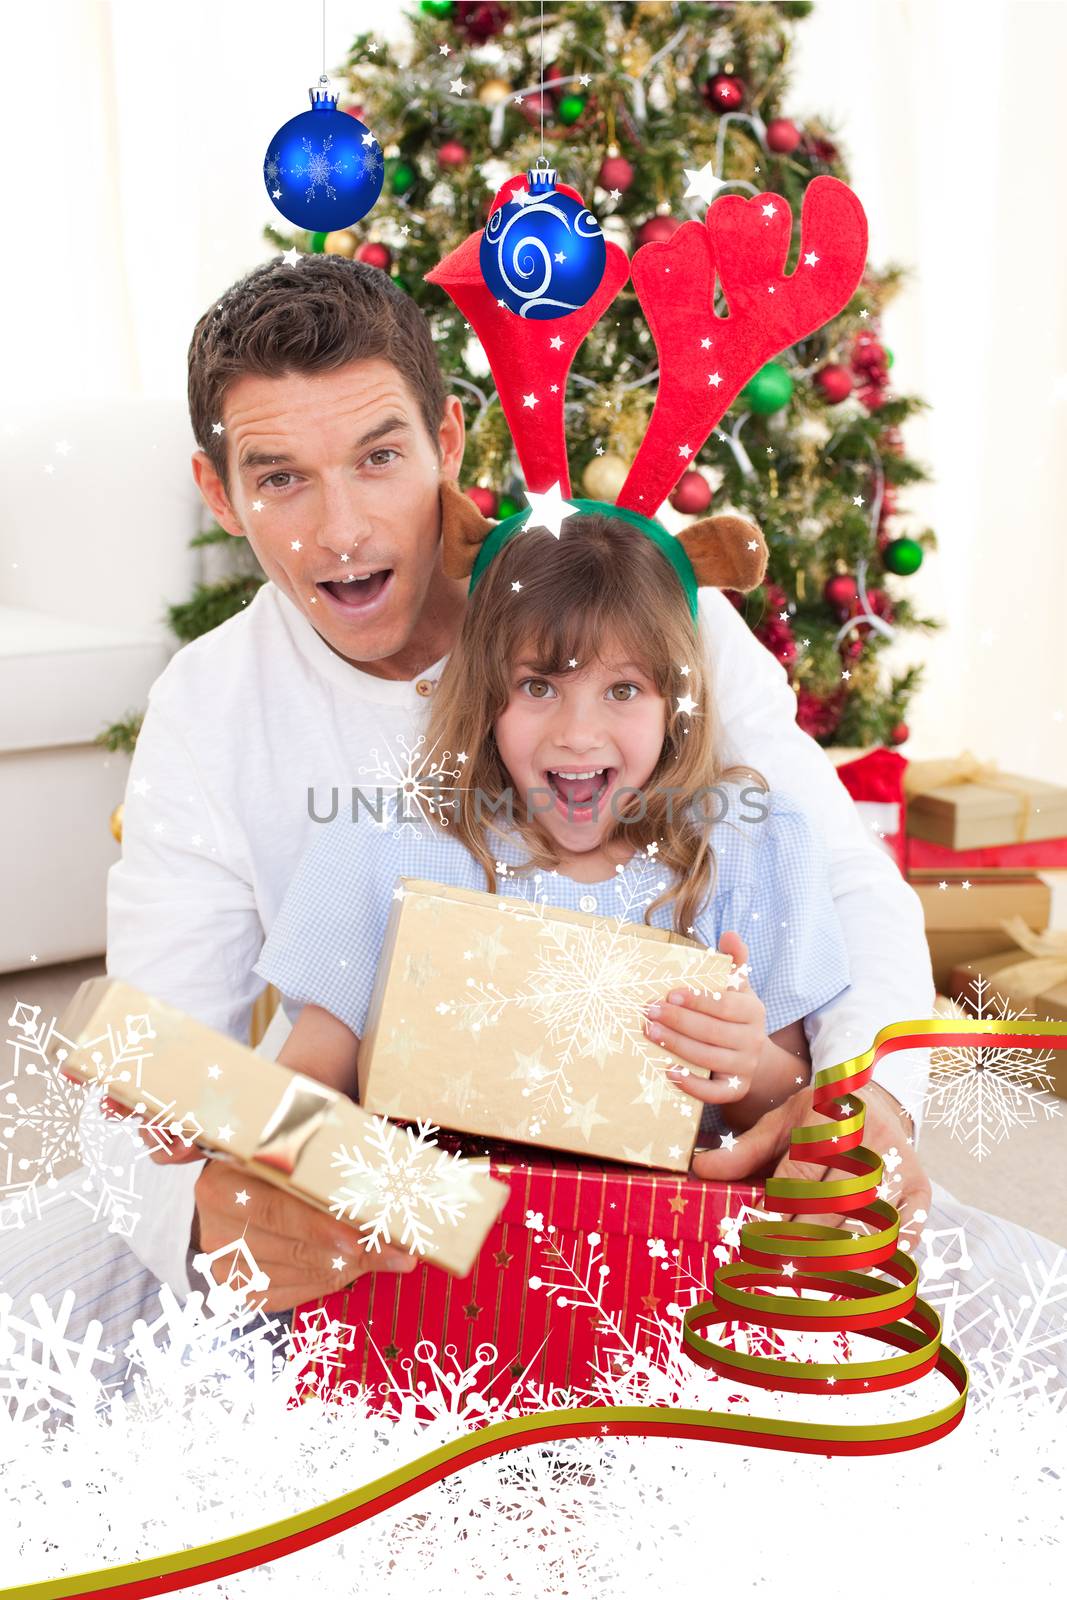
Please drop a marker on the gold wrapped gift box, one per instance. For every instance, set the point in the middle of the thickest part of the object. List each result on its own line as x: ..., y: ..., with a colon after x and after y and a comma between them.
x: 1030, y: 979
x: 966, y: 804
x: 514, y: 1020
x: 967, y: 924
x: 277, y: 1124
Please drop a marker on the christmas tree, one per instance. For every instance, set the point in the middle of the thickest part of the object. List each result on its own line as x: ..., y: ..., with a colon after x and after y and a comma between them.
x: 649, y: 110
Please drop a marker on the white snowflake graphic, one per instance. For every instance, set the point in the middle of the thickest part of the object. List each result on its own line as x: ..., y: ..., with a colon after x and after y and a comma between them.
x: 1023, y: 1358
x: 420, y: 786
x: 206, y: 1392
x: 403, y: 1188
x: 982, y: 1092
x: 318, y: 168
x: 45, y: 1112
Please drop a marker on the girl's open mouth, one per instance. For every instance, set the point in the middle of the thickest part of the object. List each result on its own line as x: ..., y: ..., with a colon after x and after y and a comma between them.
x: 580, y: 792
x: 355, y: 597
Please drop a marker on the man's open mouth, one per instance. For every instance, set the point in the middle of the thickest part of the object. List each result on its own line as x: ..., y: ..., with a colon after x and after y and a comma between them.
x: 357, y: 593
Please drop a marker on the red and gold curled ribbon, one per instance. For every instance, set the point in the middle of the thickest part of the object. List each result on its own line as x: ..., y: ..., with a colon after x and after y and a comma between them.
x: 893, y: 1314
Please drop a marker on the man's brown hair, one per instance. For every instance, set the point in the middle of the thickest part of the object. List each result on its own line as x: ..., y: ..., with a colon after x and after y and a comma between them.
x: 316, y: 315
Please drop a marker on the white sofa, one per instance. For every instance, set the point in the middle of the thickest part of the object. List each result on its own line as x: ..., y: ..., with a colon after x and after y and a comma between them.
x: 96, y: 513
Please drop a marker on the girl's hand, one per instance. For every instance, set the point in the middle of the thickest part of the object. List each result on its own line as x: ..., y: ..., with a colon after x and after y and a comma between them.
x: 727, y: 1034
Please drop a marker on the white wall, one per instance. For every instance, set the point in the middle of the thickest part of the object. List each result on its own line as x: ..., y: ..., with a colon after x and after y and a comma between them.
x: 954, y: 116
x: 142, y: 200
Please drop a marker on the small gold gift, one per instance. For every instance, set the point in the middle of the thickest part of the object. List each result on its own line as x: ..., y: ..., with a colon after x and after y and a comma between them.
x: 967, y: 804
x: 964, y: 916
x: 1030, y: 980
x: 497, y: 1016
x: 393, y: 1184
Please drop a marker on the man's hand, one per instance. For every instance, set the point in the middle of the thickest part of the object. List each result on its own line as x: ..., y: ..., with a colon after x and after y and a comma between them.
x: 304, y: 1252
x: 764, y: 1152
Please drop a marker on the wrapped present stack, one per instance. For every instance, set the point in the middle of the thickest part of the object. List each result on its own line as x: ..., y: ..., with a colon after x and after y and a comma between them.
x: 966, y: 816
x: 554, y: 1191
x: 1029, y: 978
x: 965, y: 914
x: 977, y: 839
x: 504, y: 1019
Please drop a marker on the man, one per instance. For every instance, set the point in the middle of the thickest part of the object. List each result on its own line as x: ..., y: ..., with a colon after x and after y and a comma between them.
x: 324, y: 434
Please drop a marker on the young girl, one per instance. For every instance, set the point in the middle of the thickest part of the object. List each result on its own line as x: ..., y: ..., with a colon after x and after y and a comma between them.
x: 576, y: 711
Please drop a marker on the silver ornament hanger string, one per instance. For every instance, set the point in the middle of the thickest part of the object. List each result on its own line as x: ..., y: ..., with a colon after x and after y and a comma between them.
x: 542, y: 93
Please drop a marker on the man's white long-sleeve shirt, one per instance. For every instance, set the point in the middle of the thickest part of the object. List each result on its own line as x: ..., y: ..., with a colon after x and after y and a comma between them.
x: 246, y: 720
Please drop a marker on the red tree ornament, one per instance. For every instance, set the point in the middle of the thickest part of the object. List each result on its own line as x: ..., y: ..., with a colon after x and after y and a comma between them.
x: 820, y: 149
x: 900, y: 733
x: 783, y: 136
x: 834, y: 383
x: 375, y: 254
x: 657, y: 230
x: 615, y: 173
x: 724, y: 92
x: 479, y: 20
x: 841, y: 593
x: 484, y: 499
x: 452, y: 154
x: 692, y: 493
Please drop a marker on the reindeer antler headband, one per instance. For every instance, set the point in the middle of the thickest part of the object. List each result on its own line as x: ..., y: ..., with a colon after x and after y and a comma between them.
x: 705, y: 361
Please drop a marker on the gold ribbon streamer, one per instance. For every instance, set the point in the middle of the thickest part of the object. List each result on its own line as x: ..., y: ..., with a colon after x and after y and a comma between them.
x: 920, y: 776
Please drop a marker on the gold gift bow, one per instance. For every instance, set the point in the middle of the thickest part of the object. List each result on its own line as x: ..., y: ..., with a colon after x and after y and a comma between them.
x: 291, y: 1124
x: 1045, y: 966
x: 919, y: 776
x: 299, y: 1114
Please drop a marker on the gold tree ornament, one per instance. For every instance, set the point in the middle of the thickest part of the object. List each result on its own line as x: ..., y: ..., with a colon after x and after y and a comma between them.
x: 115, y: 823
x: 493, y: 91
x: 604, y: 477
x: 341, y: 243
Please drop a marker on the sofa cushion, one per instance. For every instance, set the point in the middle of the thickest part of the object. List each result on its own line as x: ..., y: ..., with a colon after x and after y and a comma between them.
x: 63, y: 682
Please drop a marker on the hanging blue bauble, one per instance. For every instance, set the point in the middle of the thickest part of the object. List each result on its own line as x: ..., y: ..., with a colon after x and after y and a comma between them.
x: 543, y: 255
x: 323, y: 169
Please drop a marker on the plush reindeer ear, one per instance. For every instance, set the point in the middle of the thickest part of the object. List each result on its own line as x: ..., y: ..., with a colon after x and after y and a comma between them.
x: 463, y: 530
x: 726, y: 552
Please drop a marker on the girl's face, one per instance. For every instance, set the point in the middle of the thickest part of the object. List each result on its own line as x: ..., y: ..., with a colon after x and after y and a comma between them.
x: 573, y: 742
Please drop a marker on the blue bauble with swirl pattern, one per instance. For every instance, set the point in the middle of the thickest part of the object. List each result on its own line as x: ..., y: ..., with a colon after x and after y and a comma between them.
x: 543, y: 255
x: 323, y: 169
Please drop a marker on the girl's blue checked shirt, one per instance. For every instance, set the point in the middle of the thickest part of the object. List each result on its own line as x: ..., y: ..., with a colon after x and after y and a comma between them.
x: 771, y: 887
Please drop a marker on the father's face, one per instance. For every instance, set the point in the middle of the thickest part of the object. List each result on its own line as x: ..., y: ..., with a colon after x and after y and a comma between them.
x: 334, y: 481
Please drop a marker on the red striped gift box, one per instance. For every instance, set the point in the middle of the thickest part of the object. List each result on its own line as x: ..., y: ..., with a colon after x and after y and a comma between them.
x: 539, y: 1294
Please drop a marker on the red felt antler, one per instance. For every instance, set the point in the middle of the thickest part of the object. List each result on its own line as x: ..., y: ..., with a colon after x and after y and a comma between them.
x: 529, y: 359
x: 705, y: 359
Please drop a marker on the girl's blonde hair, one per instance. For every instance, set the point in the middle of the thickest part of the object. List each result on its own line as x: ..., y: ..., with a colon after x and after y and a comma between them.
x: 558, y: 601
